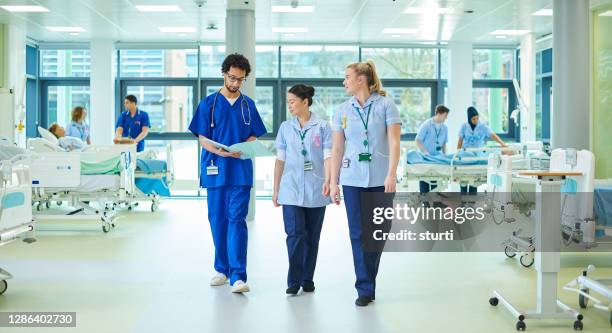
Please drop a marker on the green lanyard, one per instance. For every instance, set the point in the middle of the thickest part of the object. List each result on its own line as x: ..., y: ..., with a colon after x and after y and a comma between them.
x: 365, y: 124
x: 302, y: 136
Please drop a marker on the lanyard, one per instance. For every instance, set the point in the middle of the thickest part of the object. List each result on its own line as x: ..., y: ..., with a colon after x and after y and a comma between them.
x: 365, y: 123
x: 437, y: 134
x: 302, y: 136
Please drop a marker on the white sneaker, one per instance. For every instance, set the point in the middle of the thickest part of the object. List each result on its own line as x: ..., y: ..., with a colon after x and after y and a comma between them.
x: 218, y: 280
x: 240, y: 287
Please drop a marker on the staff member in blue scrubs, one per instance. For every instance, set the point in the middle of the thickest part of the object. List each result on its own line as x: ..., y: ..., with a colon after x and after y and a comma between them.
x: 228, y: 117
x: 431, y: 140
x: 474, y: 134
x: 301, y: 184
x: 365, y: 154
x: 132, y: 123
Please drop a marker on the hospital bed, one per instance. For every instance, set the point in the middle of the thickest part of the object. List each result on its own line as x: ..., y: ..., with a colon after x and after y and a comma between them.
x: 153, y: 177
x: 467, y: 166
x: 99, y: 174
x: 15, y: 211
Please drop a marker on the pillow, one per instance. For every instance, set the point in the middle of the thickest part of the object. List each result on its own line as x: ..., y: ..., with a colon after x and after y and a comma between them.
x: 48, y: 135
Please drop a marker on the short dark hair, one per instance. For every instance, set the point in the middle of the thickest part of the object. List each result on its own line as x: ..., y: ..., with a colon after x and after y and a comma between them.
x: 238, y: 61
x: 442, y: 109
x: 303, y: 92
x: 132, y: 99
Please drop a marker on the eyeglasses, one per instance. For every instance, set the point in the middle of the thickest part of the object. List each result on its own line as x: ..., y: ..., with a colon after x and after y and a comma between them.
x: 234, y: 79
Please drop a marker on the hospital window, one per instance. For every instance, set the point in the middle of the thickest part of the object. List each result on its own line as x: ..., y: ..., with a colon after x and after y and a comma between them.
x: 184, y: 160
x: 65, y: 63
x: 317, y: 61
x: 410, y: 63
x: 325, y: 101
x: 493, y: 64
x: 159, y: 63
x: 493, y: 107
x: 169, y: 107
x: 414, y: 104
x: 61, y: 100
x: 266, y: 57
x: 211, y: 58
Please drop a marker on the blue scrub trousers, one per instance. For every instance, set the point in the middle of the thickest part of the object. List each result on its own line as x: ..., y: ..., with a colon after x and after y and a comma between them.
x: 366, y: 263
x: 303, y: 227
x: 227, y: 210
x: 426, y: 187
x: 469, y: 189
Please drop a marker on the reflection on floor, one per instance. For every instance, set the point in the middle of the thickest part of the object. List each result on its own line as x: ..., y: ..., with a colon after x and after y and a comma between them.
x: 151, y: 275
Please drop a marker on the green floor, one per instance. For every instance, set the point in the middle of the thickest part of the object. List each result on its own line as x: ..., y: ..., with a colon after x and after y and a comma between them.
x: 151, y: 275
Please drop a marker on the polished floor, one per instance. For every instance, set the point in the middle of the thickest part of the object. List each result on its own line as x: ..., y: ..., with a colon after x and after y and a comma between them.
x: 151, y: 274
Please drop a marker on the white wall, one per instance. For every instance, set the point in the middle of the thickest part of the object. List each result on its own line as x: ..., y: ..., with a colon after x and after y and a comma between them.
x: 528, y: 93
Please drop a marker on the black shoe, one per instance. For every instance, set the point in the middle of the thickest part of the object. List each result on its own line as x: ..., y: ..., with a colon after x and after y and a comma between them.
x: 308, y: 287
x: 293, y: 290
x: 363, y: 300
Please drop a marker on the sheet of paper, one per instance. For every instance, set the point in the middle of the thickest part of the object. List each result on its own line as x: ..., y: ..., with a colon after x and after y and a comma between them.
x: 251, y: 149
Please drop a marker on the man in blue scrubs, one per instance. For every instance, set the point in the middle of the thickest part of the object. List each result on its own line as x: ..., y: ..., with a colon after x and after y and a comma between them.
x: 228, y: 117
x: 431, y: 140
x: 133, y: 123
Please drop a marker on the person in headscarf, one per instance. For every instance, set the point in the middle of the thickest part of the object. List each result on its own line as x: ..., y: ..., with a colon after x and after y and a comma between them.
x: 474, y: 134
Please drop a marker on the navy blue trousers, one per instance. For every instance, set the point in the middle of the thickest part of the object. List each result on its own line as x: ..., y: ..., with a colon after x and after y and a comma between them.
x: 303, y: 227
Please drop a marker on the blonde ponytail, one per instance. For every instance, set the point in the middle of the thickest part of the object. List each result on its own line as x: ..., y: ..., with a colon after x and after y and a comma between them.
x: 368, y: 69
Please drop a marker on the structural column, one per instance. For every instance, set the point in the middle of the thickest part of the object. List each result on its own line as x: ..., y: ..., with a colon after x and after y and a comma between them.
x: 570, y: 125
x: 12, y: 83
x: 102, y: 87
x: 240, y: 38
x: 459, y: 89
x: 528, y: 73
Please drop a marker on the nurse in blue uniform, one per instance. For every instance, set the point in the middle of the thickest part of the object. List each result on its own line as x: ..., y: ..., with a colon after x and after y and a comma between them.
x: 133, y: 123
x: 301, y: 184
x: 365, y: 154
x: 431, y: 139
x: 474, y: 134
x: 228, y: 117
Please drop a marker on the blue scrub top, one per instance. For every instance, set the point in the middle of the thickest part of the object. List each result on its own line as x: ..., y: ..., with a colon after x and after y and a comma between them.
x: 475, y: 138
x: 382, y: 114
x: 233, y: 124
x: 132, y: 126
x: 297, y: 186
x: 78, y: 130
x: 433, y: 135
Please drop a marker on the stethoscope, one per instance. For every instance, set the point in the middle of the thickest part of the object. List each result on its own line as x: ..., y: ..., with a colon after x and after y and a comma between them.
x: 242, y: 102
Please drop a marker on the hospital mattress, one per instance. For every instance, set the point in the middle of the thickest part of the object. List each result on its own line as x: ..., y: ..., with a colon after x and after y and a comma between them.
x: 438, y: 170
x: 93, y: 183
x: 148, y: 166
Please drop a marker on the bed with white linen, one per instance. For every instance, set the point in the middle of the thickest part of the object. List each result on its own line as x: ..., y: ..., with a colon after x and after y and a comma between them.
x: 92, y: 182
x: 465, y: 167
x: 15, y: 209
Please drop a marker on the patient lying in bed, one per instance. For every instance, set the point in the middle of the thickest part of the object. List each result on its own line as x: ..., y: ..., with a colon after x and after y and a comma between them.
x: 67, y: 142
x: 462, y: 158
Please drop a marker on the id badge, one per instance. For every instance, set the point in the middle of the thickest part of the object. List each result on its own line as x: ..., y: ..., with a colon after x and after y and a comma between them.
x: 212, y: 170
x: 365, y: 157
x: 308, y: 166
x: 346, y: 163
x: 438, y: 148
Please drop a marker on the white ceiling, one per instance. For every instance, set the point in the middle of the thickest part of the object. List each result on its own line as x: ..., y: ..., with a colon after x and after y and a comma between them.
x: 332, y: 21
